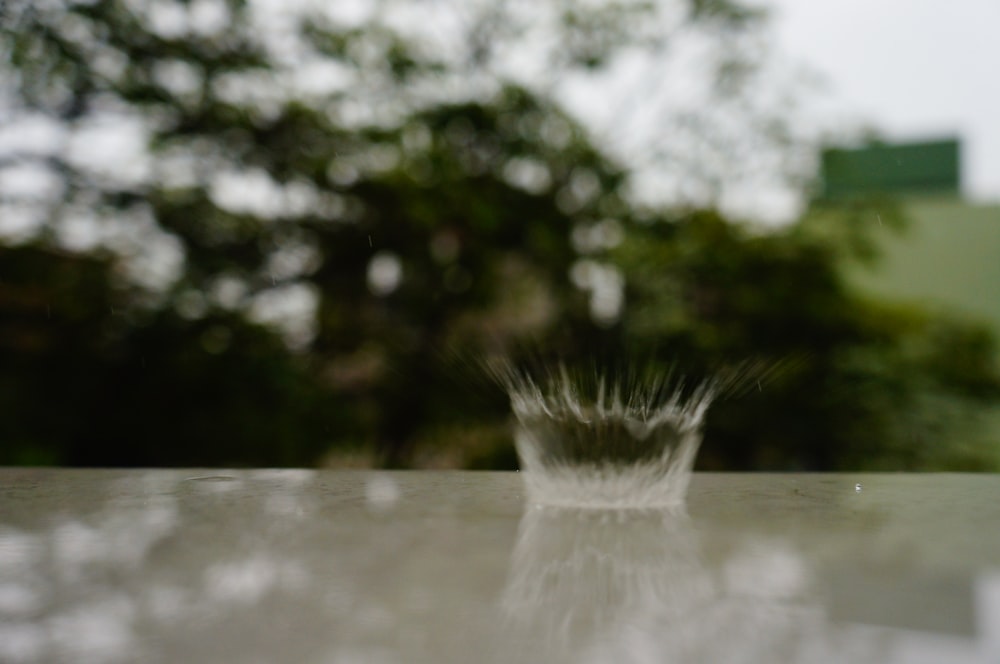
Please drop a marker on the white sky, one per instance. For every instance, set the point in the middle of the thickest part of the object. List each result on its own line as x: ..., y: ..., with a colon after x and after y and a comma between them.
x: 909, y: 68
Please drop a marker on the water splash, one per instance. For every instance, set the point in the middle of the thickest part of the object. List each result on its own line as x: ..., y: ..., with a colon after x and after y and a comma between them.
x: 593, y: 441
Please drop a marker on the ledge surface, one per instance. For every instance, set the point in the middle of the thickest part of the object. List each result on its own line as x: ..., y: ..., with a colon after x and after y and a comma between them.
x: 358, y: 566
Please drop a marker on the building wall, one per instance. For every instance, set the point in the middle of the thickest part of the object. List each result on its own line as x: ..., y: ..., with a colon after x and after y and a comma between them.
x: 948, y: 259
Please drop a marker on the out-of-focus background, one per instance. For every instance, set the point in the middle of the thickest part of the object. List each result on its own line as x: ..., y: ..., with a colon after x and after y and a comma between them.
x: 269, y: 233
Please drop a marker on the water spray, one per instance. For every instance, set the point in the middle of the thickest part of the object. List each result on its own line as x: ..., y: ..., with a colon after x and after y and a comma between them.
x: 594, y: 440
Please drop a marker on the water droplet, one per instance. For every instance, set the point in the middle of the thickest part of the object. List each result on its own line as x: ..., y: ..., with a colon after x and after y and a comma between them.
x: 857, y: 488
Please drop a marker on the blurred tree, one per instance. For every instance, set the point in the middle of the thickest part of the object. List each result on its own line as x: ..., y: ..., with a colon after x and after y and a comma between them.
x: 858, y: 378
x: 379, y: 186
x: 86, y: 380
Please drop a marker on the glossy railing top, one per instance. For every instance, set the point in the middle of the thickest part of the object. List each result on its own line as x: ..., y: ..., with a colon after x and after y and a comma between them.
x: 345, y: 566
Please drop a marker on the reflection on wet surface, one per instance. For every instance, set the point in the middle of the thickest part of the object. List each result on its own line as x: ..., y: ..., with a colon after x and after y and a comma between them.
x: 582, y: 581
x: 593, y: 586
x: 166, y: 566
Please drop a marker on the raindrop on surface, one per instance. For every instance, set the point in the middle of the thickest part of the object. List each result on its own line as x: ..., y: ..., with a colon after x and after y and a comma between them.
x: 857, y: 488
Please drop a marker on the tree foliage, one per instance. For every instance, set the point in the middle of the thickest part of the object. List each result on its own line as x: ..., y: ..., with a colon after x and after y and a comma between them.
x: 258, y: 231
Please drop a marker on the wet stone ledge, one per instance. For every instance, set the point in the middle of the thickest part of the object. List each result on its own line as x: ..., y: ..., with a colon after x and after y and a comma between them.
x: 358, y: 566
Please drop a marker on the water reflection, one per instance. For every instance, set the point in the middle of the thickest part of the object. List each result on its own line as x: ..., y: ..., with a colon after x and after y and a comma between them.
x: 149, y: 567
x: 576, y: 573
x: 426, y: 567
x: 649, y: 586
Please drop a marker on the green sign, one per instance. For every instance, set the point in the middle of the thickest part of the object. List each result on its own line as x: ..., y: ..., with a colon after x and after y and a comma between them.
x: 912, y: 168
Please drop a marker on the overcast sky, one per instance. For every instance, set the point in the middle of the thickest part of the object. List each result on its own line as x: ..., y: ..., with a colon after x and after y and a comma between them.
x: 911, y: 68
